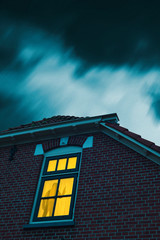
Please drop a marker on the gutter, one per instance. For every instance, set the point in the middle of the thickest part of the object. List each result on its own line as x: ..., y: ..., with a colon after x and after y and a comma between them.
x: 37, y: 132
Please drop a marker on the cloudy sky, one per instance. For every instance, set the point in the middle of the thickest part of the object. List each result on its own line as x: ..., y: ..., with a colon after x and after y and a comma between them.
x: 82, y: 58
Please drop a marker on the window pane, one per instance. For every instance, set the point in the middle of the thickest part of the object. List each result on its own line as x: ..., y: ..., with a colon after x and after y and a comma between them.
x: 72, y: 163
x: 62, y: 164
x: 65, y: 186
x: 46, y: 208
x: 62, y: 206
x: 52, y: 165
x: 50, y: 187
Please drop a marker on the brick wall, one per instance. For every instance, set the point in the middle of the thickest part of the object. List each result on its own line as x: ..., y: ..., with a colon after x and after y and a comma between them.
x: 118, y: 193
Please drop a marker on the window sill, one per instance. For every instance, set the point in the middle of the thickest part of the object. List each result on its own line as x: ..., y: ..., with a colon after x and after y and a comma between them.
x: 51, y: 224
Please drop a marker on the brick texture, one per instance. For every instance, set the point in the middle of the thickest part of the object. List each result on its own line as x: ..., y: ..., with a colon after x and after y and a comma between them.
x: 118, y: 193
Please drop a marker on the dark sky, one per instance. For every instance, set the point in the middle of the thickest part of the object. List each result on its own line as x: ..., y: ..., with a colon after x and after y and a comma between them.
x: 92, y: 34
x: 99, y: 32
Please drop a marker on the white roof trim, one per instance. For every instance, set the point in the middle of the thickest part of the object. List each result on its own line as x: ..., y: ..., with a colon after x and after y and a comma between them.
x: 88, y: 143
x: 132, y: 140
x: 47, y: 128
x: 74, y: 123
x: 39, y: 150
x: 63, y: 150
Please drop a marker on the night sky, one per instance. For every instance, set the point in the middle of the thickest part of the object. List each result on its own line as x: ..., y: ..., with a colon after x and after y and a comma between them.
x: 82, y: 58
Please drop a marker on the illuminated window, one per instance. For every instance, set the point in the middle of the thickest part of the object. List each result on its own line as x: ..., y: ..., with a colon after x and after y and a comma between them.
x: 57, y: 189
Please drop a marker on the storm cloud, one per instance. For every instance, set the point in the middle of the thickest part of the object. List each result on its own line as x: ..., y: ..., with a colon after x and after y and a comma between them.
x: 87, y: 36
x: 98, y: 32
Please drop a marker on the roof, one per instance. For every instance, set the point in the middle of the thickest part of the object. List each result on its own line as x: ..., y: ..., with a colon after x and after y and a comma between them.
x: 56, y: 120
x: 44, y: 122
x: 134, y: 136
x: 60, y: 126
x: 53, y: 127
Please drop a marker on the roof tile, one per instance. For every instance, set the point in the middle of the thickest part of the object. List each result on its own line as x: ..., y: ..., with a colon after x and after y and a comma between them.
x: 156, y: 148
x: 116, y: 126
x: 44, y: 122
x: 134, y: 136
x: 60, y: 119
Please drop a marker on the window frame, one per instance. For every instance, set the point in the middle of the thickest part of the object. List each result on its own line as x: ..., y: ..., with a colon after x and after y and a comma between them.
x: 62, y: 174
x: 61, y: 157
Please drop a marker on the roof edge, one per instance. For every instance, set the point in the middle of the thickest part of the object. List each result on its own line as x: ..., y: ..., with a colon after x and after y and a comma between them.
x: 133, y: 144
x: 12, y: 135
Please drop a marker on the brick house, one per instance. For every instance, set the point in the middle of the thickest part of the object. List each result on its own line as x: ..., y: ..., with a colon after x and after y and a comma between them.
x: 78, y: 178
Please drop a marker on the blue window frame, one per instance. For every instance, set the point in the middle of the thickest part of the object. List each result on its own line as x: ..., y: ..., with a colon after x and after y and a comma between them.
x: 57, y: 188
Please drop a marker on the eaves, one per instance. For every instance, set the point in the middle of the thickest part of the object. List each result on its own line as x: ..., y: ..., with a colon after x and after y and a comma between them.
x: 91, y: 124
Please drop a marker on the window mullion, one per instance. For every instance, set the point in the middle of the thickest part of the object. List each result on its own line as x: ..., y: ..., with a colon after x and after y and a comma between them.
x: 67, y: 163
x: 61, y: 196
x: 56, y: 165
x: 56, y: 197
x: 47, y: 197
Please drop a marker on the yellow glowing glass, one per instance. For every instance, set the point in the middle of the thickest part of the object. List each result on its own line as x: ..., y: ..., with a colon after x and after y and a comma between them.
x: 72, y: 162
x: 62, y: 164
x: 52, y: 166
x: 46, y: 208
x: 62, y: 206
x: 50, y: 187
x: 65, y: 186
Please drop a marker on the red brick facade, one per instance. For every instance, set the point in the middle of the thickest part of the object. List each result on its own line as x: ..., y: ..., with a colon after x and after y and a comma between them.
x: 118, y: 193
